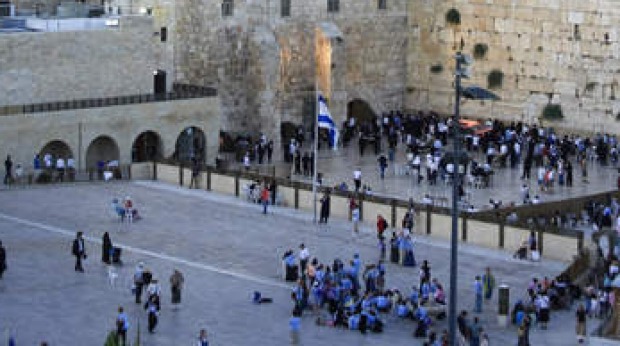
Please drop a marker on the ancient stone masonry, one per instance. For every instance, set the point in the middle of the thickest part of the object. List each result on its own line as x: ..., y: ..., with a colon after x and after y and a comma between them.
x: 563, y: 52
x: 264, y: 64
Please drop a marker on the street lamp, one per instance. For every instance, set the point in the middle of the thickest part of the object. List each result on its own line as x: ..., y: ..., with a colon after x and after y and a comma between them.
x: 477, y: 93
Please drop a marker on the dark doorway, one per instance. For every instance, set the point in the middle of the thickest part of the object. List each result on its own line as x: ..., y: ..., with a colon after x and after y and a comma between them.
x: 361, y: 111
x: 102, y: 148
x: 159, y: 82
x: 191, y: 143
x: 146, y: 147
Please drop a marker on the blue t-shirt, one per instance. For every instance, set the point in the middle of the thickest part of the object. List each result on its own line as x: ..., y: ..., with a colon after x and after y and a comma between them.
x: 295, y: 323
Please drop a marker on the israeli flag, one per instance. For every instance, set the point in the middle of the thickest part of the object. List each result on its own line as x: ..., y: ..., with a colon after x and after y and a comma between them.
x: 327, y: 122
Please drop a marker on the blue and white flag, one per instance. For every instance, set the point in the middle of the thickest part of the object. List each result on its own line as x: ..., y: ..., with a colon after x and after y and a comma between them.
x: 327, y: 122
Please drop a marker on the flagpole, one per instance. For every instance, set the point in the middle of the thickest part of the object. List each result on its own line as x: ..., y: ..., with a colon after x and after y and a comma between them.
x: 316, y: 144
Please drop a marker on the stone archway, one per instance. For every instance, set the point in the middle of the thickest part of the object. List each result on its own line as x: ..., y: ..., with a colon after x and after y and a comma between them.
x: 191, y: 142
x: 102, y: 148
x: 56, y: 149
x: 361, y: 111
x: 146, y: 147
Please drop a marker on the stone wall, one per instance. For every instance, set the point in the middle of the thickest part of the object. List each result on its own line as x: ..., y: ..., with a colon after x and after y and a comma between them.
x: 58, y: 66
x: 264, y: 64
x: 563, y: 52
x: 24, y: 135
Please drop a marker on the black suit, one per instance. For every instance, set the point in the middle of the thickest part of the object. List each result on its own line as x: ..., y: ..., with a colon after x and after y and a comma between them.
x: 79, y: 251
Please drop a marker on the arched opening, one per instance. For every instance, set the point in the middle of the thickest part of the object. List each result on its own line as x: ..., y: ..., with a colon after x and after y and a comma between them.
x: 191, y: 143
x: 101, y: 149
x: 56, y: 149
x: 361, y: 111
x: 146, y: 147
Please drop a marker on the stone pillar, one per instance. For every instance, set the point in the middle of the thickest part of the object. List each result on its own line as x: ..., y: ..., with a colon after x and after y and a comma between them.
x: 503, y: 302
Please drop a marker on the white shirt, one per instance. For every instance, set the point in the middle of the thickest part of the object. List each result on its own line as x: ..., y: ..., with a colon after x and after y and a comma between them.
x: 304, y: 254
x: 246, y: 160
x: 357, y: 174
x: 60, y: 163
x: 71, y: 163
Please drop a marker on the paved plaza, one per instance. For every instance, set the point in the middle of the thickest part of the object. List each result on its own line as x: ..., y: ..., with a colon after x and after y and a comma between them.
x: 337, y: 166
x: 226, y: 249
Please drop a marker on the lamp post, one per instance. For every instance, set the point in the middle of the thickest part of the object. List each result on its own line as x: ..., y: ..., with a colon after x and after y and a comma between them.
x: 460, y: 60
x: 476, y: 93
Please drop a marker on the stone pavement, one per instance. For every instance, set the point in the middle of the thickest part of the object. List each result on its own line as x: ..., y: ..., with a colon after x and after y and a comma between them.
x: 226, y: 249
x: 337, y: 166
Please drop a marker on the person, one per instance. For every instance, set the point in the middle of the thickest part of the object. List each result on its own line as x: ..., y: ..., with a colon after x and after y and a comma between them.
x: 60, y: 168
x: 122, y: 325
x: 8, y: 166
x: 524, y: 332
x: 478, y: 292
x: 304, y: 256
x: 581, y: 323
x: 138, y: 282
x: 357, y: 179
x: 542, y: 303
x: 355, y: 217
x: 193, y: 183
x: 203, y: 340
x: 79, y: 251
x: 382, y: 225
x: 152, y: 308
x: 264, y: 198
x: 325, y: 206
x: 106, y: 248
x: 2, y: 260
x: 382, y: 165
x: 246, y: 161
x: 176, y: 285
x: 488, y: 282
x: 295, y: 325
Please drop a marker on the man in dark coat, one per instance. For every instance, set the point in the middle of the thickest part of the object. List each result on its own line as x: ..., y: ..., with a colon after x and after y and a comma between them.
x: 79, y: 251
x: 106, y: 248
x: 2, y: 260
x: 325, y: 204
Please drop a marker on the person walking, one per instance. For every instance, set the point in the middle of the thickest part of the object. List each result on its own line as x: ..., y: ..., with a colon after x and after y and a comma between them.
x: 488, y: 282
x: 79, y: 251
x: 325, y: 206
x: 478, y: 292
x: 524, y: 332
x: 176, y: 285
x: 8, y: 166
x: 355, y: 217
x: 581, y: 317
x: 2, y: 260
x: 106, y: 248
x: 264, y: 198
x: 193, y: 183
x: 122, y: 325
x: 138, y: 282
x: 304, y: 257
x: 152, y: 309
x: 203, y: 339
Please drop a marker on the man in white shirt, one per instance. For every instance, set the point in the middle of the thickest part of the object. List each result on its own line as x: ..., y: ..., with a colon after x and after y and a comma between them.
x: 60, y: 168
x: 357, y: 179
x: 71, y: 168
x: 304, y: 256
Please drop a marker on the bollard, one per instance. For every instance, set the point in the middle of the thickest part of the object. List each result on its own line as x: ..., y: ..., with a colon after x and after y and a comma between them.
x: 503, y: 302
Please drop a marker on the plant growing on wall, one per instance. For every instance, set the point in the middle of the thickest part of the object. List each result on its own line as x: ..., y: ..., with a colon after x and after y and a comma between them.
x: 437, y: 68
x: 480, y: 50
x: 552, y: 112
x: 453, y: 18
x: 495, y: 79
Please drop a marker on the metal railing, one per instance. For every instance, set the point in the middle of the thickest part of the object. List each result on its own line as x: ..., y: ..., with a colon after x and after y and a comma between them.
x: 179, y: 92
